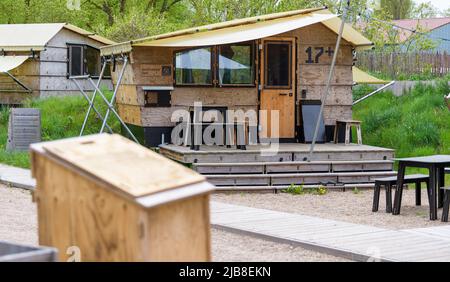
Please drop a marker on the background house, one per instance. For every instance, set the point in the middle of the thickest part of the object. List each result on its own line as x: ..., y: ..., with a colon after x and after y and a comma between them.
x: 436, y: 29
x: 36, y: 60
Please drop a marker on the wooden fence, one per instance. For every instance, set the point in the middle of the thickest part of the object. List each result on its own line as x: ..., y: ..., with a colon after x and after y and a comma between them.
x: 405, y: 64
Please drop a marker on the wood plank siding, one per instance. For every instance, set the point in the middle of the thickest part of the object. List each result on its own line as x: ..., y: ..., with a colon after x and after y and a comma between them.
x: 146, y: 70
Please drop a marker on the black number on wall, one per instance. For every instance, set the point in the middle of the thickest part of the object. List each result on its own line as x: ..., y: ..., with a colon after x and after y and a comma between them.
x: 318, y: 53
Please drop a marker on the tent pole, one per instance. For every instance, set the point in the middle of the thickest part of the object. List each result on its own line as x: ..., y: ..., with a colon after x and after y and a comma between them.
x: 92, y: 100
x: 86, y: 96
x: 19, y: 82
x: 119, y: 81
x: 330, y: 77
x: 373, y: 93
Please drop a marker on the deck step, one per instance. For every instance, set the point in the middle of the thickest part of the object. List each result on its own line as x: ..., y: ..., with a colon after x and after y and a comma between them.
x: 296, y: 178
x: 293, y: 167
x: 283, y: 187
x: 287, y: 153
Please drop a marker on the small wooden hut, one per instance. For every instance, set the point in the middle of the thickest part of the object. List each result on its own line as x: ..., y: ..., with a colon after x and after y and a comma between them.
x: 272, y: 62
x: 36, y: 60
x: 115, y: 200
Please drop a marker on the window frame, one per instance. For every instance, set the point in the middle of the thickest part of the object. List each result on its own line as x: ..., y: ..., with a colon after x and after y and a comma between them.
x: 212, y: 61
x: 266, y: 72
x: 84, y: 62
x: 252, y: 45
x: 69, y: 59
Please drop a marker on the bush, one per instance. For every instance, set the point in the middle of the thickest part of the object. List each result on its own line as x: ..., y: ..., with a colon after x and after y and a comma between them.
x: 415, y: 124
x: 61, y: 117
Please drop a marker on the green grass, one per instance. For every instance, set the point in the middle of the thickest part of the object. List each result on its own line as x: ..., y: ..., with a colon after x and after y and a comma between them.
x: 62, y: 117
x: 415, y: 124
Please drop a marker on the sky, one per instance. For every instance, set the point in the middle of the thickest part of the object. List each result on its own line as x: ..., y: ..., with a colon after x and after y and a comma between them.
x: 440, y: 4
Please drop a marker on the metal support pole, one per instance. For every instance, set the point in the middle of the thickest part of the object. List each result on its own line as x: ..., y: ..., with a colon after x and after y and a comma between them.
x: 19, y: 82
x: 111, y: 109
x: 330, y: 77
x: 92, y: 100
x: 90, y: 103
x: 373, y: 93
x: 119, y: 81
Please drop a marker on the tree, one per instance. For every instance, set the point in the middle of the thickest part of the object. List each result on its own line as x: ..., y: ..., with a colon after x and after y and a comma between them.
x: 424, y: 11
x: 397, y: 9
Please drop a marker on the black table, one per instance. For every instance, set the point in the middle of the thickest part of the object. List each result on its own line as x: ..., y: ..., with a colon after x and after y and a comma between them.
x: 436, y: 165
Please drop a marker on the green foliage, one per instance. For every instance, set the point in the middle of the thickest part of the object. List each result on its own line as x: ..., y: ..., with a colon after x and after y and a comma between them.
x: 295, y: 190
x: 300, y: 190
x: 414, y: 124
x: 62, y: 117
x: 321, y: 191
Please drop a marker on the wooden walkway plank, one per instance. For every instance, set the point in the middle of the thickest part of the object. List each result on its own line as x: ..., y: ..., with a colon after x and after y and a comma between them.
x: 353, y: 241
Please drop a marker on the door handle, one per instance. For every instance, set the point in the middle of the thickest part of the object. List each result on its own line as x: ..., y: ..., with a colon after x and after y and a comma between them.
x: 283, y: 94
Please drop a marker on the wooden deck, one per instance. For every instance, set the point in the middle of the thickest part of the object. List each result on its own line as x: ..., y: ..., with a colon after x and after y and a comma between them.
x: 284, y: 152
x: 348, y: 240
x: 259, y: 168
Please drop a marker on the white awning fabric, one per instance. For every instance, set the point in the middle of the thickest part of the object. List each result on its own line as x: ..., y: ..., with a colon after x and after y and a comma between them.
x: 8, y: 63
x: 244, y: 30
x: 362, y: 77
x: 240, y: 33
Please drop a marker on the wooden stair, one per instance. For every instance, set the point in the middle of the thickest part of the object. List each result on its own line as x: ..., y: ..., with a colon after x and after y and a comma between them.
x: 335, y: 166
x: 259, y: 176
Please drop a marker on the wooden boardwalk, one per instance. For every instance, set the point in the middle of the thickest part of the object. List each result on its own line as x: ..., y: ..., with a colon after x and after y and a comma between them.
x: 352, y: 241
x: 16, y: 177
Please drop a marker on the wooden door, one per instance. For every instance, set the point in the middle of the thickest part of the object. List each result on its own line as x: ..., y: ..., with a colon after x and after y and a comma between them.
x: 278, y: 83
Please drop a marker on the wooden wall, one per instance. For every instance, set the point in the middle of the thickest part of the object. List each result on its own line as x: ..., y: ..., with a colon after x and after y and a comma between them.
x: 53, y: 66
x: 312, y: 76
x: 146, y: 70
x: 28, y: 74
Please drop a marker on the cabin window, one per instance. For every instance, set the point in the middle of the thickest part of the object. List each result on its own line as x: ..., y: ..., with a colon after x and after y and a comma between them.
x: 236, y: 64
x: 194, y: 67
x: 85, y: 60
x: 76, y: 60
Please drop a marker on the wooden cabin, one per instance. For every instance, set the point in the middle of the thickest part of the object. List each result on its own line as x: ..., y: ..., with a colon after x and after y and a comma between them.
x: 272, y: 62
x: 278, y: 62
x: 36, y: 60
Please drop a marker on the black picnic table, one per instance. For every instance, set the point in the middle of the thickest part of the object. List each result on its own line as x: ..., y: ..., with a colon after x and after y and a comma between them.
x: 436, y: 165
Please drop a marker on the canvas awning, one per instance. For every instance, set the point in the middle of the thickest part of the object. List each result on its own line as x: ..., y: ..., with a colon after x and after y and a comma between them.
x: 244, y: 30
x: 8, y: 63
x: 361, y: 77
x: 26, y: 37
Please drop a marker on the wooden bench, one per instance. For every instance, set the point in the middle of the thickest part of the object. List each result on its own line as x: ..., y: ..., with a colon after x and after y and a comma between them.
x: 348, y: 125
x: 389, y: 182
x: 446, y: 203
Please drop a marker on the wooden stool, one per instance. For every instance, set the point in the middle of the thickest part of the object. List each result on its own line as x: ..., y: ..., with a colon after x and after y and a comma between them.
x: 389, y: 182
x: 446, y: 203
x: 348, y: 125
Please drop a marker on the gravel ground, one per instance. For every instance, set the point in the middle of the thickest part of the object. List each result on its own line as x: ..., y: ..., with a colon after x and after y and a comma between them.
x: 344, y: 206
x: 18, y: 224
x: 18, y: 219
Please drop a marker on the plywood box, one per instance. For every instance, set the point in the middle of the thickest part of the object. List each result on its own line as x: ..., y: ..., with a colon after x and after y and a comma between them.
x: 118, y: 201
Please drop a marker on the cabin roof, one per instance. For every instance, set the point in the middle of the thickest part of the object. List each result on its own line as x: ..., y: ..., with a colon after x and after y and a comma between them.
x: 24, y: 37
x: 241, y: 30
x: 423, y: 25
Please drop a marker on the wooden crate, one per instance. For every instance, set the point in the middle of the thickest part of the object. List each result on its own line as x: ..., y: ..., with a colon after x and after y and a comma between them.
x: 118, y: 201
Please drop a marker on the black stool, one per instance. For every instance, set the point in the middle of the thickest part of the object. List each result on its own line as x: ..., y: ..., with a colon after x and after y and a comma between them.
x: 389, y: 182
x: 446, y: 203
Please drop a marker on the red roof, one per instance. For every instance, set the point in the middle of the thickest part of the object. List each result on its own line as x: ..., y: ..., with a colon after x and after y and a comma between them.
x: 419, y: 24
